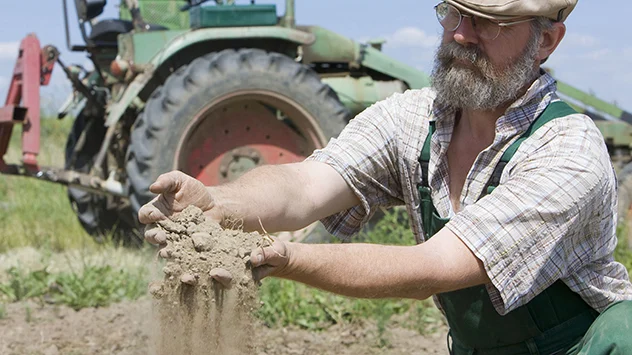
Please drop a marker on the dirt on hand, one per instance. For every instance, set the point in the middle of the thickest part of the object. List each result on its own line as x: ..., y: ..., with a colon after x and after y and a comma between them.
x: 194, y: 312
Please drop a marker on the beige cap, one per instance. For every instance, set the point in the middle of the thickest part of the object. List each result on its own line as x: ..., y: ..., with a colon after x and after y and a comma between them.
x: 556, y: 10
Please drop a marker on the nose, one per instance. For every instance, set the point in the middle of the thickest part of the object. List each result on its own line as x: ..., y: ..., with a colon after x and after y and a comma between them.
x: 465, y: 33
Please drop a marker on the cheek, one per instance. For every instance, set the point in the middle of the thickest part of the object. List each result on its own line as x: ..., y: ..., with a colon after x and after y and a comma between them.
x: 447, y: 37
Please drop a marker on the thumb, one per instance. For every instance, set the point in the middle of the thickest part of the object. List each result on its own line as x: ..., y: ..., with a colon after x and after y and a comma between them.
x: 274, y: 255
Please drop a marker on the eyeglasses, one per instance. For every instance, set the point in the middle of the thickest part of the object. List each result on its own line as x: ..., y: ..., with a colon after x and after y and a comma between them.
x: 450, y: 18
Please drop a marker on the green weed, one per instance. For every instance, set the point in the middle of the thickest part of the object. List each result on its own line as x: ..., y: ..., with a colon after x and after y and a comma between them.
x: 287, y: 303
x: 93, y: 286
x: 28, y: 313
x: 3, y: 311
x: 623, y: 254
x: 22, y: 286
x: 98, y: 286
x: 36, y: 213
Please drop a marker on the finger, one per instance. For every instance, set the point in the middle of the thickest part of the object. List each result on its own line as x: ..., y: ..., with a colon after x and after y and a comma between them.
x: 167, y: 182
x: 165, y: 252
x: 223, y: 276
x: 155, y: 235
x: 189, y: 279
x: 259, y: 273
x: 149, y: 213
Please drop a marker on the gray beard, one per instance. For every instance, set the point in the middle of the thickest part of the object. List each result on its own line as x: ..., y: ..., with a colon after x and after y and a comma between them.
x: 483, y: 86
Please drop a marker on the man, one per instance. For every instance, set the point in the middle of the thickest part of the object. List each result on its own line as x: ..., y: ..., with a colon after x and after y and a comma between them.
x: 516, y: 250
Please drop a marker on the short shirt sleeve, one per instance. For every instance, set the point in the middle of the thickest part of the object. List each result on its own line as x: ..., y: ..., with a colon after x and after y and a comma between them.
x: 548, y: 217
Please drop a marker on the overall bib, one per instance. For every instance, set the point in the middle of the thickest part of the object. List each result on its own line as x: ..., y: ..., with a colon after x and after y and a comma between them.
x: 551, y: 323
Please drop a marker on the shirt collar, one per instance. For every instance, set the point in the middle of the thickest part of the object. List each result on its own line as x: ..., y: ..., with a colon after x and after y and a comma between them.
x: 540, y: 93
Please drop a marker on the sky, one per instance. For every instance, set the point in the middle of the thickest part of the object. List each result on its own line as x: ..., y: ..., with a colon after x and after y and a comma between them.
x: 595, y: 55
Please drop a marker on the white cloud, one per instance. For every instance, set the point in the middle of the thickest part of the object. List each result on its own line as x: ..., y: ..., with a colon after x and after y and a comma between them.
x: 579, y: 40
x: 597, y: 55
x: 9, y: 50
x: 411, y: 37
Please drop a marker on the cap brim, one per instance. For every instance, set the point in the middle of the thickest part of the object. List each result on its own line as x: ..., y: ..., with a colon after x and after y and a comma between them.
x: 469, y: 10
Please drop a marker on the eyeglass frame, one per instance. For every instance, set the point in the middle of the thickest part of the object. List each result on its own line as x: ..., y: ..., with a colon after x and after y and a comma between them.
x: 471, y: 16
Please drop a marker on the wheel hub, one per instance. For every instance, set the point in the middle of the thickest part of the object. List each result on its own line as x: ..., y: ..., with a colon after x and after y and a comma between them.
x: 236, y: 135
x: 238, y: 161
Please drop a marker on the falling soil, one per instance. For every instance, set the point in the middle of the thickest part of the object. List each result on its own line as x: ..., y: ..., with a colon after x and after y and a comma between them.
x: 194, y: 313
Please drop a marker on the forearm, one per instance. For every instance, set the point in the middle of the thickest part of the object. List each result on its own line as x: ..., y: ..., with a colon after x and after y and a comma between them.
x: 442, y: 264
x: 283, y: 197
x: 362, y: 270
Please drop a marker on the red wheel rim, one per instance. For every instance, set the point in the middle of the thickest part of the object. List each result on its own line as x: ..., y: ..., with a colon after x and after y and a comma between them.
x: 244, y: 129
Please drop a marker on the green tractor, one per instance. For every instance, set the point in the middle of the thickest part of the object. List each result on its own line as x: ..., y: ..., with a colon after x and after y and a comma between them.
x: 211, y: 89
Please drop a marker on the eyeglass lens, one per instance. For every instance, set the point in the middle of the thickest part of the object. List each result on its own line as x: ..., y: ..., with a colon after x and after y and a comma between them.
x: 450, y: 18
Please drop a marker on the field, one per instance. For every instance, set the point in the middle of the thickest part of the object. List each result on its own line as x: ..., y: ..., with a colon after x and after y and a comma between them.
x: 62, y: 293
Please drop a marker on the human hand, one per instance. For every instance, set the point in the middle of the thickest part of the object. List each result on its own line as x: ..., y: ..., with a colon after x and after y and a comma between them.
x: 176, y: 190
x: 272, y: 260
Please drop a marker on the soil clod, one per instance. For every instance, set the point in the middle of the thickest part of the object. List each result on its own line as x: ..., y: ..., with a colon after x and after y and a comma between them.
x: 199, y: 309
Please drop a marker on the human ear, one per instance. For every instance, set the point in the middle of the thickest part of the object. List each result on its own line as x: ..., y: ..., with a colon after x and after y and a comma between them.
x: 551, y: 38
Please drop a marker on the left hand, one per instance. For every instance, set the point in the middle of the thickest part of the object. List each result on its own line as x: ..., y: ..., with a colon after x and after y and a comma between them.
x: 273, y: 260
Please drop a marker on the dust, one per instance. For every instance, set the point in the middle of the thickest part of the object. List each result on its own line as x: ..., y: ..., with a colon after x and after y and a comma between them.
x: 193, y: 313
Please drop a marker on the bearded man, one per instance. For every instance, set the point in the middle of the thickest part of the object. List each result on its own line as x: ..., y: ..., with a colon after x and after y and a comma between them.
x: 511, y: 194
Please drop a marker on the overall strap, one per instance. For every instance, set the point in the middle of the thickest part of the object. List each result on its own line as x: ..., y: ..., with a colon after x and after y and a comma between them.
x: 429, y: 216
x: 553, y: 110
x: 424, y: 158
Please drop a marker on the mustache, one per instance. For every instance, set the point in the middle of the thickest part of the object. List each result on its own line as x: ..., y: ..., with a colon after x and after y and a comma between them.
x: 448, y: 52
x: 452, y: 50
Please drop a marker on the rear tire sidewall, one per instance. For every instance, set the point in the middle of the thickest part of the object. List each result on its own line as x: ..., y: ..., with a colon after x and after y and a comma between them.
x: 188, y: 92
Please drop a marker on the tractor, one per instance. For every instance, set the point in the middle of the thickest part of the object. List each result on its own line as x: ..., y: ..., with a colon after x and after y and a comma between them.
x: 213, y: 89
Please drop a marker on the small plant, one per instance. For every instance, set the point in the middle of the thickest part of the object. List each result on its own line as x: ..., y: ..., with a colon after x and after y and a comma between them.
x: 25, y: 285
x: 28, y: 314
x: 94, y: 286
x: 98, y: 286
x: 289, y: 303
x: 3, y: 311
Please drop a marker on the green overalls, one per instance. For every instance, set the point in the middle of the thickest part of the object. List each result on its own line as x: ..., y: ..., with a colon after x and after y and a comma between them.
x: 550, y: 323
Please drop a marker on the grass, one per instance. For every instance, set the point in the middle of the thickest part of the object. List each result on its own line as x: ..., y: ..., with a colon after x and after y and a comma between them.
x: 79, y: 279
x: 286, y: 303
x: 35, y: 213
x: 93, y: 286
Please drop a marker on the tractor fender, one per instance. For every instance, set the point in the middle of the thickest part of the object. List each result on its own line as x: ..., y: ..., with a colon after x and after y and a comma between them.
x: 176, y: 42
x: 331, y: 47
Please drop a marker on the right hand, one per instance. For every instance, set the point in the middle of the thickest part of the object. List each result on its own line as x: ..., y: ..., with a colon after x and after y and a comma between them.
x: 176, y: 191
x: 271, y: 260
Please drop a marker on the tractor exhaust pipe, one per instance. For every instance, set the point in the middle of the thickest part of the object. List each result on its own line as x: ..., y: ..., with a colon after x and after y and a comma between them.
x: 289, y: 19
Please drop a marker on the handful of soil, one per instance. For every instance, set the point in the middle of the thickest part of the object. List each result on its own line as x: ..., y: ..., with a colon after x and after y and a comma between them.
x: 197, y: 314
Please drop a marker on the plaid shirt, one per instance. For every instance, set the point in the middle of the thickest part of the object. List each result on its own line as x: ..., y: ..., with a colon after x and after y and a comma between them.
x: 552, y: 217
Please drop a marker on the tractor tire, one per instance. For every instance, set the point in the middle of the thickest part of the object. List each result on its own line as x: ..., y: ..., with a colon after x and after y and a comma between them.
x: 97, y: 218
x: 624, y: 212
x: 227, y: 112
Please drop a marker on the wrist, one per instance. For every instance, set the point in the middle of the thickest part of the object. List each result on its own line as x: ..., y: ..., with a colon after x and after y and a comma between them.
x: 214, y: 208
x: 292, y: 268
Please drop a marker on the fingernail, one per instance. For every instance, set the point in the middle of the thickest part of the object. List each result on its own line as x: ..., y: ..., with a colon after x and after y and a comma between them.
x: 259, y: 259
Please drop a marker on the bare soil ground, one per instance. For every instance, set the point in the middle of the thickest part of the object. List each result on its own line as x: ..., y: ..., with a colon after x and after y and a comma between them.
x: 127, y: 328
x: 146, y: 326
